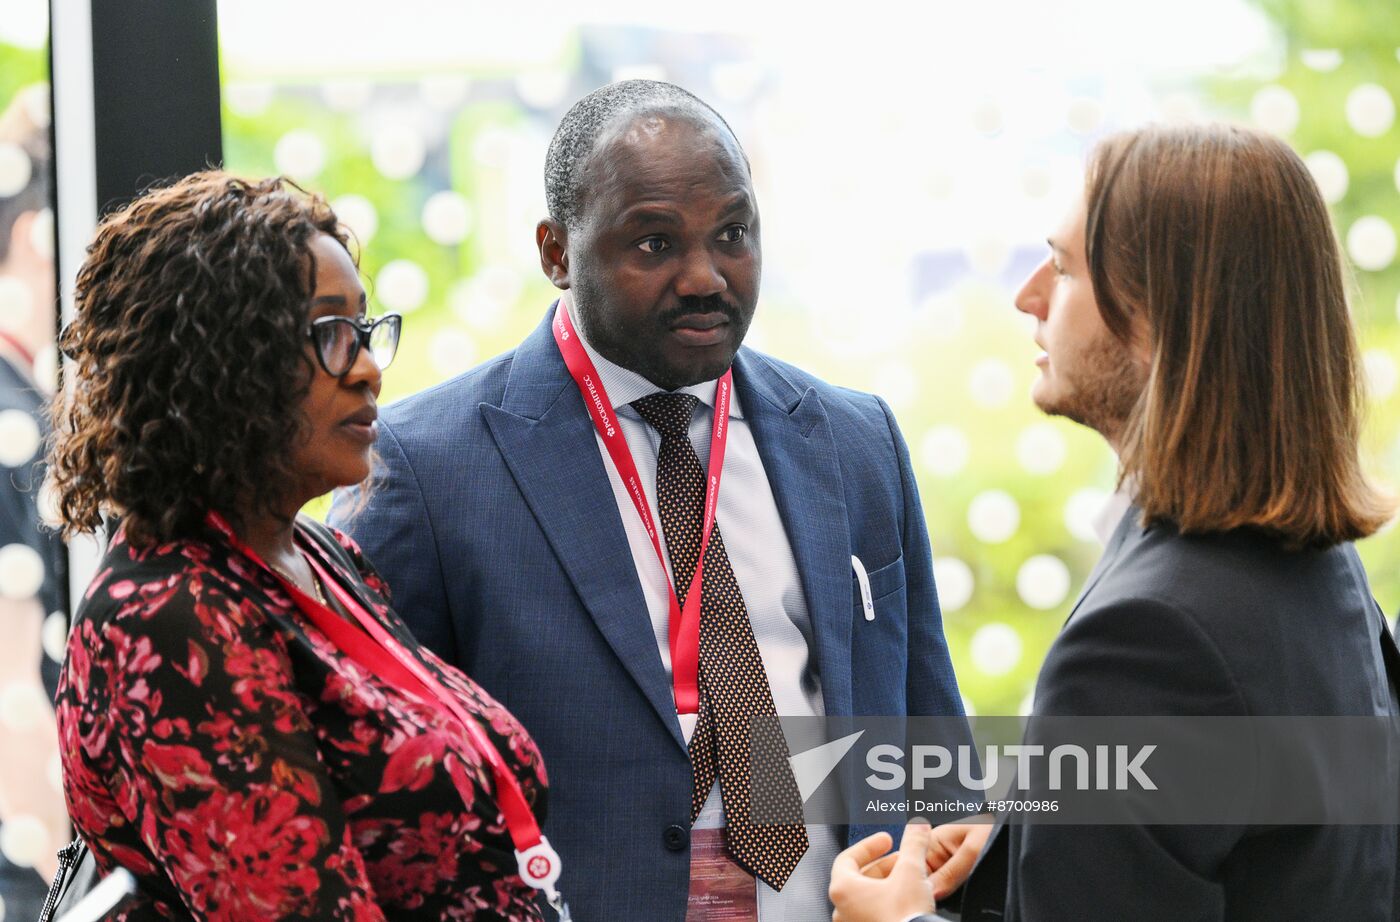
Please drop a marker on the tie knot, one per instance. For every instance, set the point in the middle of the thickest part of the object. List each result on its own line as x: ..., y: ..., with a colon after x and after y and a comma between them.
x: 668, y: 414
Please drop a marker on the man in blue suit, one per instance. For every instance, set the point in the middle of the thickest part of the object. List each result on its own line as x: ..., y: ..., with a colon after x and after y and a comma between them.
x: 504, y: 523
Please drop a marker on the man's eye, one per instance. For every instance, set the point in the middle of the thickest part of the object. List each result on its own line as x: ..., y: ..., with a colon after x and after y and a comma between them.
x: 653, y: 245
x: 734, y: 233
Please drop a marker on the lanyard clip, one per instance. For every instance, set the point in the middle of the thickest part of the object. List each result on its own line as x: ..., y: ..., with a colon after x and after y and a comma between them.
x: 540, y: 867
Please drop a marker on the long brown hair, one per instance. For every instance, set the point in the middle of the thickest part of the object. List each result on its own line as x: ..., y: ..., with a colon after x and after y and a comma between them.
x: 1214, y: 243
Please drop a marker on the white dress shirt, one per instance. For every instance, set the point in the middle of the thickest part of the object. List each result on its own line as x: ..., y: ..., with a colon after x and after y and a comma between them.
x: 1113, y: 510
x: 763, y: 563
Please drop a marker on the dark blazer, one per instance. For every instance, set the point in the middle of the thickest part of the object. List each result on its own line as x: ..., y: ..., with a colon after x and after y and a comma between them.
x: 1220, y: 625
x: 495, y: 526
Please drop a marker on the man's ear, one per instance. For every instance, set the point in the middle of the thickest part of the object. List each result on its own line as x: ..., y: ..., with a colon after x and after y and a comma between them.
x: 553, y: 241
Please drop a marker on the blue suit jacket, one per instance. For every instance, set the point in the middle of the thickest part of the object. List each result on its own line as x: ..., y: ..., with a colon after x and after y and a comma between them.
x: 493, y: 521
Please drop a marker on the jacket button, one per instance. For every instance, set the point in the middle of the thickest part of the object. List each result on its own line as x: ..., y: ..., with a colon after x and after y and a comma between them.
x: 676, y: 838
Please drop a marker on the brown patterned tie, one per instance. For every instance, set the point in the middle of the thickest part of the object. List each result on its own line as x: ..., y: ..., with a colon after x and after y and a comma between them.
x: 733, y: 686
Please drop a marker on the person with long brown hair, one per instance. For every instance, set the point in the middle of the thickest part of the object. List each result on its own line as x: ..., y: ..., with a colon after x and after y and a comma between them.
x: 1192, y: 310
x: 247, y: 727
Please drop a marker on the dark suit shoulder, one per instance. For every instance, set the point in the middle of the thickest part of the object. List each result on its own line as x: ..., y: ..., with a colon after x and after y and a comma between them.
x: 1290, y: 631
x: 1243, y: 588
x: 1191, y: 570
x: 1137, y: 656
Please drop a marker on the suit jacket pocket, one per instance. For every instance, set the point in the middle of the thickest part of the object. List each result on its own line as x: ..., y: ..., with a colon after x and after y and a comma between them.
x: 885, y: 581
x: 880, y: 645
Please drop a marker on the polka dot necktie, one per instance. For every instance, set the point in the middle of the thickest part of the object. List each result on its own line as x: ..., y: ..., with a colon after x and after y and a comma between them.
x: 733, y: 685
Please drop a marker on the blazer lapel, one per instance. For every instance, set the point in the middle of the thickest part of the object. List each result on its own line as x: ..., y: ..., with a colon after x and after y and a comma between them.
x: 1127, y: 525
x: 546, y: 438
x: 794, y: 439
x: 985, y: 893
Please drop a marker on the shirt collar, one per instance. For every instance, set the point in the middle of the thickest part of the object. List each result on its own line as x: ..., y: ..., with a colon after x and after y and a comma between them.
x: 624, y: 385
x: 1114, y: 508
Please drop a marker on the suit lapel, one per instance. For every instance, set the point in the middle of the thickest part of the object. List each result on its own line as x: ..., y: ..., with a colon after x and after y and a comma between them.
x: 794, y: 439
x: 985, y: 893
x: 547, y: 440
x: 1127, y: 525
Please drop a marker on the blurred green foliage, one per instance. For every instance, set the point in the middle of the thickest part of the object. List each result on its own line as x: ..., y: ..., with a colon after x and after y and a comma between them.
x: 19, y: 67
x: 940, y: 349
x: 1329, y: 48
x: 483, y: 297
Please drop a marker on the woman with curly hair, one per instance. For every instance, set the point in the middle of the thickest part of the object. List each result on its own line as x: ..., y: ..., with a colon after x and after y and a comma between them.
x: 247, y: 727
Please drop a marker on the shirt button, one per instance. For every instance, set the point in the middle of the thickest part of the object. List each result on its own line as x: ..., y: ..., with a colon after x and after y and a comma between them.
x: 675, y: 838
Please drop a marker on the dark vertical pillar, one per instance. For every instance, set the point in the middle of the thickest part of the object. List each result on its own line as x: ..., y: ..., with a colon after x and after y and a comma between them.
x: 135, y: 100
x: 155, y: 75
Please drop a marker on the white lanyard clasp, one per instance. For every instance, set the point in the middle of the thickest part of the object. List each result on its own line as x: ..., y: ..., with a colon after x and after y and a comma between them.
x: 540, y: 867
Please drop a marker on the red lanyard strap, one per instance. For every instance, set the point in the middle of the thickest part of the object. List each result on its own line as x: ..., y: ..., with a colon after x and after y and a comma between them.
x: 520, y: 819
x: 684, y: 623
x: 378, y: 651
x: 20, y: 349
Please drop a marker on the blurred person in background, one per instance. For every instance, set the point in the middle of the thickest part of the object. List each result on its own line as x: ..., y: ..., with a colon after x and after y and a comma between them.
x: 247, y: 726
x: 32, y: 561
x: 511, y: 526
x: 1192, y: 310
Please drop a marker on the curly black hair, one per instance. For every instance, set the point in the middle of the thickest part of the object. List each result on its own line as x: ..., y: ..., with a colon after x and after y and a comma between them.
x: 188, y: 354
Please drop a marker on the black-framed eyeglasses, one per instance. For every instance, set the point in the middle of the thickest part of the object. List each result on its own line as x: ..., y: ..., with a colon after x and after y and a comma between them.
x: 338, y: 341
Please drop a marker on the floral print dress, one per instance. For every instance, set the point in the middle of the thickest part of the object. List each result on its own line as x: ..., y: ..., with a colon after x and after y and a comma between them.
x: 225, y: 752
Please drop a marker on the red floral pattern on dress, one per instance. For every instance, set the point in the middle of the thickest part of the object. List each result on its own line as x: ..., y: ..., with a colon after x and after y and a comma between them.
x: 221, y: 748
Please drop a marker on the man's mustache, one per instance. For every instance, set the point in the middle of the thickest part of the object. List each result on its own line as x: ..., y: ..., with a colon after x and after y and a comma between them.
x: 691, y: 305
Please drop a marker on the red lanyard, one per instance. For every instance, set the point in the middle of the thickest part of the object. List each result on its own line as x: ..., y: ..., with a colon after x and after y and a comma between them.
x: 684, y: 626
x: 378, y: 651
x: 25, y: 355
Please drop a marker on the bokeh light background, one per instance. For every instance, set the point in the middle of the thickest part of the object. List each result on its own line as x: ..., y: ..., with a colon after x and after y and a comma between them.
x: 909, y: 163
